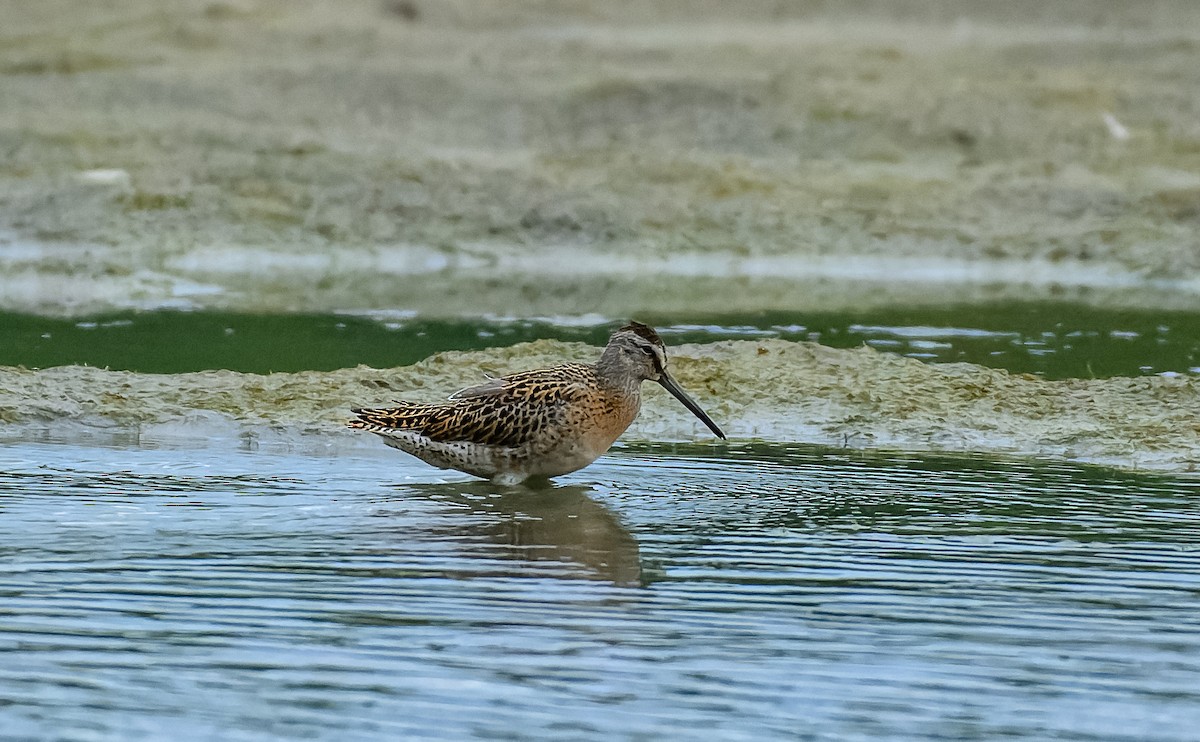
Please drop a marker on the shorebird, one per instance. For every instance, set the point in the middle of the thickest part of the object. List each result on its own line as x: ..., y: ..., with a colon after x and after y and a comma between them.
x: 535, y: 424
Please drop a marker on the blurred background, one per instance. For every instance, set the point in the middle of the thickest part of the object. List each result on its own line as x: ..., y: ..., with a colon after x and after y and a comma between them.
x: 313, y: 184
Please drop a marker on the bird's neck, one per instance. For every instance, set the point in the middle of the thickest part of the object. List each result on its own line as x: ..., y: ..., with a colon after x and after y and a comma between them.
x: 615, y: 372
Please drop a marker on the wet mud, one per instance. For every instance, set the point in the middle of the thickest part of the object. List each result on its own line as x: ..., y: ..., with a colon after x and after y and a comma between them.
x: 548, y: 158
x: 770, y: 390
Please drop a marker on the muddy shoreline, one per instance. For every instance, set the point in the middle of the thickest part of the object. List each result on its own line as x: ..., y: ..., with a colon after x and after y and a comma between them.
x: 770, y: 390
x: 552, y: 158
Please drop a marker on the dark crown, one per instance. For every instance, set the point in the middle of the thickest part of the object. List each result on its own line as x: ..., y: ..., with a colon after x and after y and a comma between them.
x: 642, y: 331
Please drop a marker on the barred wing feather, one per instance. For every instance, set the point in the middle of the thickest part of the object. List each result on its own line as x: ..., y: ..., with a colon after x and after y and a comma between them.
x: 507, y: 411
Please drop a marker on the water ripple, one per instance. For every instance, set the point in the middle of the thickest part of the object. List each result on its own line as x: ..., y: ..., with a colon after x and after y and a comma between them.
x: 771, y: 592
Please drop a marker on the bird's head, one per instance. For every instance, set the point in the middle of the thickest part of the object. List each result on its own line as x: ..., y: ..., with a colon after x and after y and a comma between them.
x: 636, y: 353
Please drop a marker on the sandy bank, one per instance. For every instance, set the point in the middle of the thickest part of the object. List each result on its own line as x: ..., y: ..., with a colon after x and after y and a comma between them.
x: 771, y: 390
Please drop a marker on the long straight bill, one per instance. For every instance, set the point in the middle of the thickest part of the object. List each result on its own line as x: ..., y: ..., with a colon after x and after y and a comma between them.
x: 676, y: 391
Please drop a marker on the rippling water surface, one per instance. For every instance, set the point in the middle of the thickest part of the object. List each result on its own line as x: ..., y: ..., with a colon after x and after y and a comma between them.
x: 682, y: 592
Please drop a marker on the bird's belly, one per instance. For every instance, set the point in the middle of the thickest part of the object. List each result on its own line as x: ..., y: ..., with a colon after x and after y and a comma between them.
x: 573, y: 452
x: 472, y: 458
x: 563, y: 459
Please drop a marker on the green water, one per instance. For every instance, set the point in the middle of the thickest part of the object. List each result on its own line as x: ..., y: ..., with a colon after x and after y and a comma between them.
x: 763, y: 592
x: 1056, y: 341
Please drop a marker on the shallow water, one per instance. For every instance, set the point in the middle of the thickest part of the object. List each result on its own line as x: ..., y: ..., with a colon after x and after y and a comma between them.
x: 1054, y: 340
x: 752, y: 593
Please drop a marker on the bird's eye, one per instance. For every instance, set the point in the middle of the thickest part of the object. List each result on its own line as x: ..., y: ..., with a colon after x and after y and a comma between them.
x: 648, y: 350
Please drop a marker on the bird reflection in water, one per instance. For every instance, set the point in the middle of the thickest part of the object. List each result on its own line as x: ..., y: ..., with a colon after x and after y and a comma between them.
x: 557, y: 523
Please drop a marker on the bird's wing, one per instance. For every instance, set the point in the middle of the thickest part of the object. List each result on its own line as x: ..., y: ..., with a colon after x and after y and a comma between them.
x: 500, y: 412
x: 493, y: 385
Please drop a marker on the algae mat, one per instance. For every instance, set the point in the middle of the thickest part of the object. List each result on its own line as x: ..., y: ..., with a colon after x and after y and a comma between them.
x: 770, y: 390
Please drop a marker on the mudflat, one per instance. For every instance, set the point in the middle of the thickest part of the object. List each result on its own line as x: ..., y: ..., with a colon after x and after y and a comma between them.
x: 553, y: 157
x: 768, y: 390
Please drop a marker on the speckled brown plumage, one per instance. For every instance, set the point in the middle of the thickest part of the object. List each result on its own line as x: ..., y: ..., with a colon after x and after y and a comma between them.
x: 509, y: 411
x: 538, y: 423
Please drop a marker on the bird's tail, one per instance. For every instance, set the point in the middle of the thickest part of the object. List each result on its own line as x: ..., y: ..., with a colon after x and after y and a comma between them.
x: 407, y: 416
